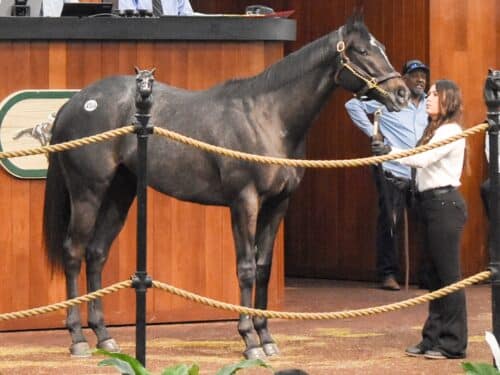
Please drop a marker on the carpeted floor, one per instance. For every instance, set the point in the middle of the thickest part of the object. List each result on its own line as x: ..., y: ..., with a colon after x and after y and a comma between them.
x: 368, y: 345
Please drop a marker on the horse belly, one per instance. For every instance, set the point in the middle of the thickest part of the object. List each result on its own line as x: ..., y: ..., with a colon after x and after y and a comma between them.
x: 195, y: 181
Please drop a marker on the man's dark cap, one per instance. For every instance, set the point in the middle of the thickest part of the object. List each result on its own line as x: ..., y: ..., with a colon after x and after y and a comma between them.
x: 412, y: 65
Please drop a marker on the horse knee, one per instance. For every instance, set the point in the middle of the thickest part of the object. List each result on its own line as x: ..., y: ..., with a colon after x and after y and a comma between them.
x: 95, y: 258
x: 72, y: 257
x: 246, y: 275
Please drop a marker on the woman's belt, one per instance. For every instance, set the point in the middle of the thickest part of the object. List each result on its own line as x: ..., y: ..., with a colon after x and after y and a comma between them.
x: 436, y: 192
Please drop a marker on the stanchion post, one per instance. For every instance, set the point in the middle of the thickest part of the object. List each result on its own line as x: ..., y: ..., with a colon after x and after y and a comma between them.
x: 141, y: 281
x: 492, y: 100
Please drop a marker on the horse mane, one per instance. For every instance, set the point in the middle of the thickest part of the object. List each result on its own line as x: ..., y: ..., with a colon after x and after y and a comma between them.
x: 286, y: 70
x: 297, y: 63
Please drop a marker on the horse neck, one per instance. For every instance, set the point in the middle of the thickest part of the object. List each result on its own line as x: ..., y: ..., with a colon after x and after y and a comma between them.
x: 299, y: 85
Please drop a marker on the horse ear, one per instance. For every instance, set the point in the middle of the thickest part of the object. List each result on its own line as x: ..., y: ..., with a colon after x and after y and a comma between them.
x: 356, y: 19
x: 137, y: 70
x: 359, y: 11
x: 490, y: 71
x: 153, y: 70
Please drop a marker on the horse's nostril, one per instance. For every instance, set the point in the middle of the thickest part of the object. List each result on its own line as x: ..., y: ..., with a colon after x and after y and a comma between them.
x: 402, y: 92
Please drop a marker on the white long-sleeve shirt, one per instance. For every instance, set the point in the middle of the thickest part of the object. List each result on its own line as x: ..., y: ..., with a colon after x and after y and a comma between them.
x: 441, y: 166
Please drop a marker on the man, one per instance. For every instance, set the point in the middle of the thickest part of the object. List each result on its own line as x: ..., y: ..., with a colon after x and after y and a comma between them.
x: 168, y: 7
x: 53, y: 8
x: 401, y: 130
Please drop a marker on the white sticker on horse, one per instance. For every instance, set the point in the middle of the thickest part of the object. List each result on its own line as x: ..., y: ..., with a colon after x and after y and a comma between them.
x: 90, y: 105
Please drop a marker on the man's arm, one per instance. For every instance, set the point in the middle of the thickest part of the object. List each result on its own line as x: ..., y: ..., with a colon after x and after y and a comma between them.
x: 358, y: 112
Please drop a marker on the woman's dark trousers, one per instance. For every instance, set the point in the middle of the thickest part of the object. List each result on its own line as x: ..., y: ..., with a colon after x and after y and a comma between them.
x: 444, y: 217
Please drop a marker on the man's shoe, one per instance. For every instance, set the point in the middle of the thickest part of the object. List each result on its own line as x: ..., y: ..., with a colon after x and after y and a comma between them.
x: 415, y: 351
x: 434, y: 354
x: 390, y: 283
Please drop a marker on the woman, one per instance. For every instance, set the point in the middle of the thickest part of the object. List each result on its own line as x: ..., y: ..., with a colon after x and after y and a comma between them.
x: 443, y: 213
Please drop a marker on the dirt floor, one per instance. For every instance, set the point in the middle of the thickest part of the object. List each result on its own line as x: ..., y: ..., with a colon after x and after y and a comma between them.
x: 368, y: 345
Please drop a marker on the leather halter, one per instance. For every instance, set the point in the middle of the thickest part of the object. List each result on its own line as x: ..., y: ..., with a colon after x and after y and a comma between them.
x: 370, y: 81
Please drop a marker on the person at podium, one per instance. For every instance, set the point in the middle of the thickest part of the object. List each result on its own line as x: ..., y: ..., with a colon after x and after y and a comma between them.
x: 159, y: 7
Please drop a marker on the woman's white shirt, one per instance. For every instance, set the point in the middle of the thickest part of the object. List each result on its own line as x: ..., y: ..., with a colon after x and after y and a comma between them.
x: 441, y: 166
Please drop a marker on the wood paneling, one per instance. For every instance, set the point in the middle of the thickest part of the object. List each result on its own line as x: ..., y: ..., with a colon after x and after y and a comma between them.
x: 330, y: 227
x: 336, y: 210
x: 190, y: 246
x: 463, y: 45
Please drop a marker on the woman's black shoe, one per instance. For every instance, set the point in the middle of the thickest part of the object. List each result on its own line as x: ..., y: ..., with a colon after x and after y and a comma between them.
x: 415, y: 351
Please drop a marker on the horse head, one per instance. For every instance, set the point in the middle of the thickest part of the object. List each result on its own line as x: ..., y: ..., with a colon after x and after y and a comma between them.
x: 365, y: 68
x: 492, y: 89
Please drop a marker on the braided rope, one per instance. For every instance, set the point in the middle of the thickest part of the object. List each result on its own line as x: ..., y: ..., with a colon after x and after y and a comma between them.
x: 65, y: 304
x: 70, y: 144
x: 251, y: 311
x: 326, y: 315
x: 313, y: 163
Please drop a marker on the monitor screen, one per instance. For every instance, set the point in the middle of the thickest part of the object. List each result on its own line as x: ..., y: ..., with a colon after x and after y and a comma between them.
x: 85, y: 9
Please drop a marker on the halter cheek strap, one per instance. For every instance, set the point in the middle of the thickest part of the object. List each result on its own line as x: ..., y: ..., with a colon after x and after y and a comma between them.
x: 370, y: 82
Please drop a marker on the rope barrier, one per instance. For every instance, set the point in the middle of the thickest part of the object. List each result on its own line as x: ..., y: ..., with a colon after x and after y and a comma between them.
x: 313, y: 163
x: 65, y: 304
x: 105, y: 136
x: 64, y: 146
x: 259, y: 159
x: 326, y: 315
x: 251, y: 311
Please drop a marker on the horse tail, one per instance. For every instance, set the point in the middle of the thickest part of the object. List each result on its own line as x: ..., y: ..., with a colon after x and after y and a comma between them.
x: 56, y: 213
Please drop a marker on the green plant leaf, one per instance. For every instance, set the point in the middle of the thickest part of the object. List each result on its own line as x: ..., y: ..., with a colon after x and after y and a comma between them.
x: 182, y: 370
x: 479, y: 369
x: 134, y: 363
x: 246, y: 363
x: 122, y: 366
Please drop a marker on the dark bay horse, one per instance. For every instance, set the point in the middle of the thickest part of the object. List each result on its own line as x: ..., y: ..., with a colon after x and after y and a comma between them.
x: 89, y: 190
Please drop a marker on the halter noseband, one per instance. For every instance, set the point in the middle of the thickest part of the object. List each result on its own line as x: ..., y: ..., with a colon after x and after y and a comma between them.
x: 370, y: 82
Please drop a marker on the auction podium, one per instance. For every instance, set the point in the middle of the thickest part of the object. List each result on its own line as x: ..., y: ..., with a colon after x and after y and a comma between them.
x: 189, y: 246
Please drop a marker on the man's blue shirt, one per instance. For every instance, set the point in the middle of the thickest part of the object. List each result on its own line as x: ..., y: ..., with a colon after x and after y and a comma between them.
x: 401, y: 129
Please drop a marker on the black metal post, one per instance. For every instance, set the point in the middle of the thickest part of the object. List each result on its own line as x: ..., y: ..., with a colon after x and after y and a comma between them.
x: 141, y: 281
x: 493, y: 104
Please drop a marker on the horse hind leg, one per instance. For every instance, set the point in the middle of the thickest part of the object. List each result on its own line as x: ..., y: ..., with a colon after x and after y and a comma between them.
x: 110, y: 220
x: 270, y: 217
x: 243, y: 220
x: 84, y: 207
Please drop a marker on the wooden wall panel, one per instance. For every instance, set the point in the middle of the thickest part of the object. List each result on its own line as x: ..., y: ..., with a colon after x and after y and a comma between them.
x: 463, y: 45
x: 330, y: 227
x: 190, y: 246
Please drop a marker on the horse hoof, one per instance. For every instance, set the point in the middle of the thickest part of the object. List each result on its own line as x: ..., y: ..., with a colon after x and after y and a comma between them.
x: 271, y: 349
x: 80, y: 350
x: 110, y: 345
x: 254, y: 353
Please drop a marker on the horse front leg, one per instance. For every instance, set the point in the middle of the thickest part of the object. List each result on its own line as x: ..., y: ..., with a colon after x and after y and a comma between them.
x: 243, y: 219
x: 270, y: 217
